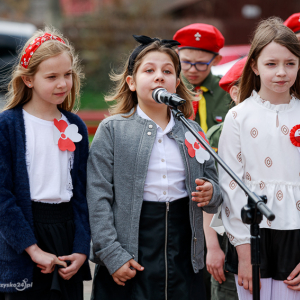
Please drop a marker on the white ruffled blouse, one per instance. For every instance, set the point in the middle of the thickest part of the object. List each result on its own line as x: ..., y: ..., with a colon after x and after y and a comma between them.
x: 255, y: 143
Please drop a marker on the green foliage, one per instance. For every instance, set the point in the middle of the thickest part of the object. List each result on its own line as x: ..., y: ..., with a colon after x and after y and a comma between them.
x: 92, y: 100
x: 104, y: 39
x: 91, y: 138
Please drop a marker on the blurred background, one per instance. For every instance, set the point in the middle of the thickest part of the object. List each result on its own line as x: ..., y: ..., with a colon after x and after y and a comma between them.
x: 101, y: 30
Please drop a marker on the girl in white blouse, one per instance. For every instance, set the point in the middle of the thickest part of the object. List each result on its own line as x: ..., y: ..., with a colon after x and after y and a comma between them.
x: 147, y: 187
x: 260, y: 142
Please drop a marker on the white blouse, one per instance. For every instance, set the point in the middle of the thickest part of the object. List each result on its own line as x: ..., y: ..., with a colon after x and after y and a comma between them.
x: 48, y: 167
x: 165, y: 180
x: 255, y: 143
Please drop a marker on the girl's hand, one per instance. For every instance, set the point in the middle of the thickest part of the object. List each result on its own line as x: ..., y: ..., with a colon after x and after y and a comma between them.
x: 44, y: 260
x: 204, y: 192
x: 214, y: 263
x: 76, y: 259
x: 293, y: 280
x: 126, y: 272
x: 245, y: 267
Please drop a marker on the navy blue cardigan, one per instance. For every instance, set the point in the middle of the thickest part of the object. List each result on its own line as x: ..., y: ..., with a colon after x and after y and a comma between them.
x: 16, y: 222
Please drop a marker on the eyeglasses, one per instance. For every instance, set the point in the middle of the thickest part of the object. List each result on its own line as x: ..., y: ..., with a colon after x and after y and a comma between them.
x: 200, y: 66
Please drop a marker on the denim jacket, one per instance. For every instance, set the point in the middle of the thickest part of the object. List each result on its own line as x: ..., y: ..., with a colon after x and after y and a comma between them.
x: 117, y: 170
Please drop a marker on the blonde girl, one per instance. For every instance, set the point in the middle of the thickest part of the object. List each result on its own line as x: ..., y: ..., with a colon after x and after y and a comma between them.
x: 259, y: 142
x: 148, y: 183
x: 45, y: 235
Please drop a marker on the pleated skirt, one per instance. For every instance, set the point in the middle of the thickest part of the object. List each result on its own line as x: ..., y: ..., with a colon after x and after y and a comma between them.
x: 164, y: 252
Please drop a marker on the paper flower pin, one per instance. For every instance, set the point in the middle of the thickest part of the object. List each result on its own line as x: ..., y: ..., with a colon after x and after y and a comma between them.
x: 295, y: 136
x: 195, y: 148
x: 65, y: 135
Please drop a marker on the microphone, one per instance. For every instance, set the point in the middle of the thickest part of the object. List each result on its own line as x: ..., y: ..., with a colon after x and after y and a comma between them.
x: 161, y: 95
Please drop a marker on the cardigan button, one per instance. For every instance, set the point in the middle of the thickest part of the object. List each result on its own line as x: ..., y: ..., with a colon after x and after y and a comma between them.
x: 149, y: 133
x: 150, y: 126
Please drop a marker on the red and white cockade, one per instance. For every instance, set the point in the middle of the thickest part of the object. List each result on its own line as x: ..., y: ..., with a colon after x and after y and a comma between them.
x: 66, y: 135
x: 295, y: 136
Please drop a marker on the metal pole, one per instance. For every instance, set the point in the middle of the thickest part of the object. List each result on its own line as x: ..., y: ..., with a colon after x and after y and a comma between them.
x: 251, y: 213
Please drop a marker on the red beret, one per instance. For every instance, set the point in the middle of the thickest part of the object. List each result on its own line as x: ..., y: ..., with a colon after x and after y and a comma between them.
x: 232, y: 75
x: 293, y: 22
x: 200, y: 36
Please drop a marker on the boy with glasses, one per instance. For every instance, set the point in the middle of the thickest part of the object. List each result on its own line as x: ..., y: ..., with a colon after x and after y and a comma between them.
x: 198, y: 52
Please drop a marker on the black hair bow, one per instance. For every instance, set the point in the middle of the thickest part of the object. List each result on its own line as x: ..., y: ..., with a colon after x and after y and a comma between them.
x: 145, y: 41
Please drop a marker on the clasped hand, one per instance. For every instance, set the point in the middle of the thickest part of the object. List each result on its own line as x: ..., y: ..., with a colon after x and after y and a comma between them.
x: 76, y: 259
x: 47, y: 261
x: 204, y: 192
x: 126, y: 272
x: 44, y: 260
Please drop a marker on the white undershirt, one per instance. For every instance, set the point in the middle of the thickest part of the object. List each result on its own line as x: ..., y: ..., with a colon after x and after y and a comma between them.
x: 165, y: 179
x: 48, y: 167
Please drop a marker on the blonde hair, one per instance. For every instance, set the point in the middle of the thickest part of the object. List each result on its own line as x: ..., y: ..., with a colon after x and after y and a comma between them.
x: 269, y: 30
x: 126, y: 100
x: 19, y: 94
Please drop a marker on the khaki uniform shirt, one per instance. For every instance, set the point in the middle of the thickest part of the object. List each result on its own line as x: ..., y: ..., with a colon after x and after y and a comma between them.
x: 217, y: 101
x: 213, y: 135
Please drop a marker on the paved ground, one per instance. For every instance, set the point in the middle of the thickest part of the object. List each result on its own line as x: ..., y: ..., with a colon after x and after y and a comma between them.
x: 88, y: 284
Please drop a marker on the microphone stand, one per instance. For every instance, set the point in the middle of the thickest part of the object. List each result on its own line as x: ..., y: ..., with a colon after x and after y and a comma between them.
x: 252, y: 213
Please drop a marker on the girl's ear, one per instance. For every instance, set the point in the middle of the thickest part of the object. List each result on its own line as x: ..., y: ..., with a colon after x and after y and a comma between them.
x: 28, y: 81
x: 177, y: 82
x: 131, y: 83
x: 234, y: 91
x: 253, y: 65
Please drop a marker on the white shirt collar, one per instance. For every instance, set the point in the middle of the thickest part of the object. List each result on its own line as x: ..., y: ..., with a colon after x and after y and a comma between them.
x: 167, y: 129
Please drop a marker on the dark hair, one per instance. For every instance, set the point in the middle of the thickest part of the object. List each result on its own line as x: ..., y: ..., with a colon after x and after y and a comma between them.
x: 269, y: 30
x: 126, y: 99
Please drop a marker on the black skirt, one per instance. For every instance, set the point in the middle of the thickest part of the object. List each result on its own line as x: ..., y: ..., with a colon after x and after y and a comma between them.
x: 279, y: 253
x: 165, y: 253
x: 54, y: 231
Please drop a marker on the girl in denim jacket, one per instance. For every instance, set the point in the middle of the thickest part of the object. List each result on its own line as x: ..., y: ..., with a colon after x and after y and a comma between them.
x: 149, y: 181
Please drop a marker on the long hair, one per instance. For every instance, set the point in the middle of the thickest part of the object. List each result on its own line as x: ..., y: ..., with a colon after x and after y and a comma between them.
x: 19, y: 94
x: 126, y: 100
x: 270, y: 30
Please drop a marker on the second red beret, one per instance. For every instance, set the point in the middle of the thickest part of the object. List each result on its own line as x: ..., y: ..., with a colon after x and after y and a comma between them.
x: 293, y: 22
x: 232, y: 75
